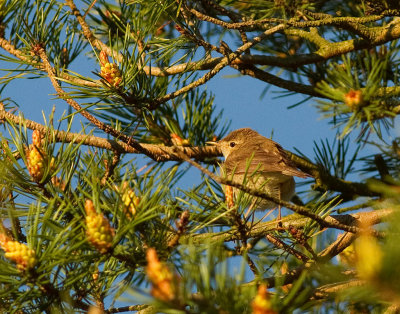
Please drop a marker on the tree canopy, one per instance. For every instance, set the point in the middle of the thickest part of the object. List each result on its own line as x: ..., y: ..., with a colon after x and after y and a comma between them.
x: 93, y: 212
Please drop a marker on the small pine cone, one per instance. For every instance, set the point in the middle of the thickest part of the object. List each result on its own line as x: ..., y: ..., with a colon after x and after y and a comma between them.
x: 111, y: 74
x: 35, y: 162
x: 36, y: 157
x: 261, y: 303
x: 109, y: 71
x: 354, y: 99
x: 130, y: 200
x: 160, y: 277
x: 229, y: 196
x: 20, y: 253
x: 98, y: 230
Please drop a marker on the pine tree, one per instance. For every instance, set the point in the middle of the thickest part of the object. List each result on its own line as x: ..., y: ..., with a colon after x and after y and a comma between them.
x: 93, y: 213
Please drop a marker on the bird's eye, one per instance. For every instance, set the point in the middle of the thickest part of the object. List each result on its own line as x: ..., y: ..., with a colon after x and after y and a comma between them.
x: 232, y: 144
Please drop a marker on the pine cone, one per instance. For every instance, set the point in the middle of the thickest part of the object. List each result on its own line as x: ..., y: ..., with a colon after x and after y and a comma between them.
x: 109, y: 71
x: 160, y: 276
x: 99, y: 232
x: 130, y: 200
x: 20, y: 253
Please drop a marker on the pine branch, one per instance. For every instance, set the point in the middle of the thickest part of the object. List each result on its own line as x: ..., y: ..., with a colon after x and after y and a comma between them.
x: 326, y: 182
x: 89, y: 34
x: 253, y: 25
x: 277, y: 81
x: 141, y: 309
x: 327, y: 290
x: 214, y: 71
x: 263, y: 228
x: 102, y: 126
x: 162, y: 152
x: 332, y: 250
x: 110, y: 167
x: 10, y: 48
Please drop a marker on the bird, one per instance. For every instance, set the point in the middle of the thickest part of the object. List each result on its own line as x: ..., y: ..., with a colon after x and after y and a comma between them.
x: 263, y: 162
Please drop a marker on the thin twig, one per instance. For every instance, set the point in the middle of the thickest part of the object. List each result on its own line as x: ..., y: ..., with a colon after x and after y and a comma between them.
x: 89, y: 8
x: 252, y: 266
x: 10, y: 48
x: 110, y: 167
x: 141, y: 308
x: 89, y: 34
x: 287, y: 248
x: 181, y: 229
x: 253, y: 25
x: 323, y: 257
x: 326, y: 290
x: 235, y: 17
x: 253, y: 71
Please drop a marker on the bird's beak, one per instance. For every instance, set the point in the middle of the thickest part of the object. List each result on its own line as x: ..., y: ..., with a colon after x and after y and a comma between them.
x: 212, y: 143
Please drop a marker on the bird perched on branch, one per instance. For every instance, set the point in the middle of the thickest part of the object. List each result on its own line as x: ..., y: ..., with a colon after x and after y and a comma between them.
x: 259, y: 163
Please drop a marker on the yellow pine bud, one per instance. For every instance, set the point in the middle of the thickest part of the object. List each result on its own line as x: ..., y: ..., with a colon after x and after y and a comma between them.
x: 131, y: 202
x: 160, y: 277
x: 261, y: 303
x: 35, y: 162
x: 354, y: 99
x: 129, y: 199
x: 229, y: 196
x: 369, y: 256
x: 95, y: 310
x: 20, y: 253
x: 37, y: 157
x: 98, y: 230
x: 95, y: 275
x: 109, y: 71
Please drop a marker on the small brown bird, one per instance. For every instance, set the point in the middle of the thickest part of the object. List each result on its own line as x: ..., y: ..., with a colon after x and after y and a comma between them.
x: 263, y: 162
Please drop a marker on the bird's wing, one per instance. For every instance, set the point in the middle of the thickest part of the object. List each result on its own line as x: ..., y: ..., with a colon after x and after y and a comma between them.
x: 259, y: 159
